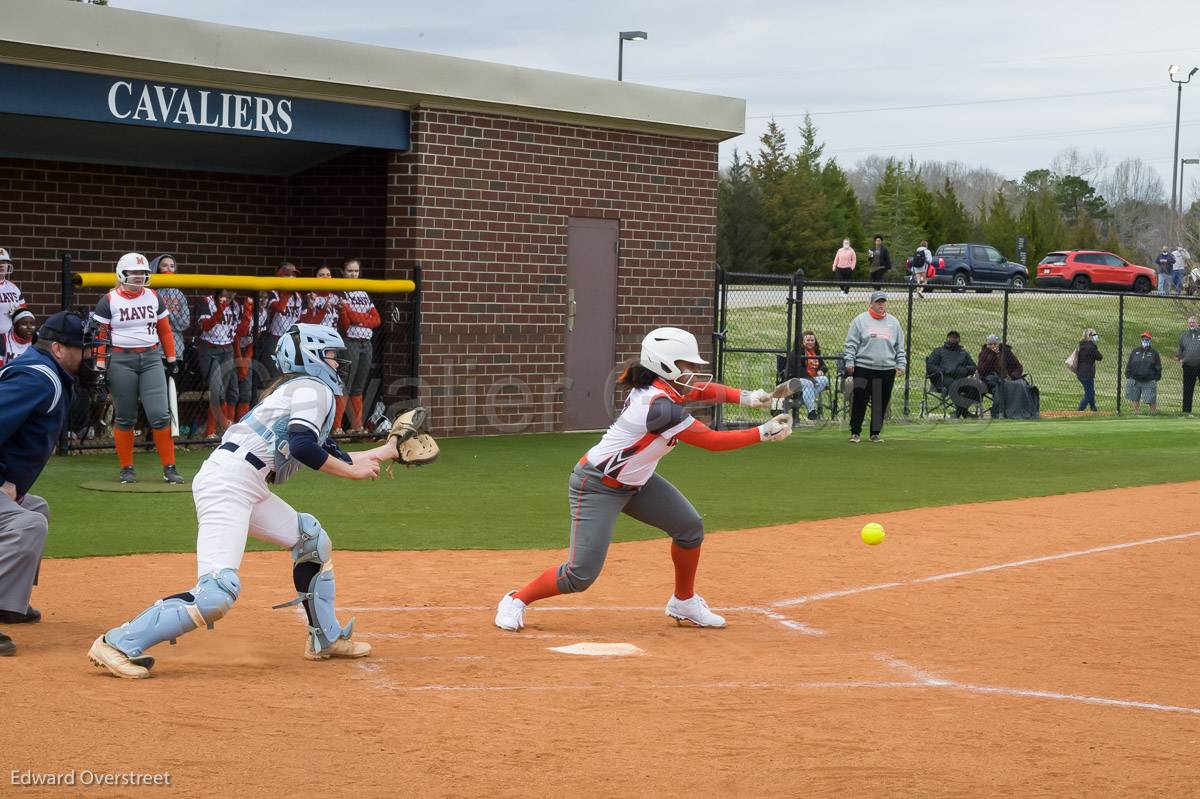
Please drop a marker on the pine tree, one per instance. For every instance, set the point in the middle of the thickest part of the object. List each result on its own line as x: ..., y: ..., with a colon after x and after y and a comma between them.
x: 741, y: 224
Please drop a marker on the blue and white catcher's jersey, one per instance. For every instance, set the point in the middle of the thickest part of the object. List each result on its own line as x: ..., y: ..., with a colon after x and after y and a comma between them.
x: 264, y: 430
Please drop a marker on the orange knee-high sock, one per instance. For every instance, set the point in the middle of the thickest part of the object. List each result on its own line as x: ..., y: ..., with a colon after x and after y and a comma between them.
x: 542, y: 586
x: 339, y: 406
x: 243, y: 408
x: 356, y: 411
x: 165, y: 445
x: 686, y: 561
x: 123, y: 440
x: 227, y: 409
x: 211, y: 426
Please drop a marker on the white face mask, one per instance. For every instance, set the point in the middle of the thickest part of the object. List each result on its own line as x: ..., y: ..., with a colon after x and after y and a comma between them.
x: 1096, y: 339
x: 1145, y: 343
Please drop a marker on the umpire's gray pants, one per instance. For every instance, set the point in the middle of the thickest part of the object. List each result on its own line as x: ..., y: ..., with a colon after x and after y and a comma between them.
x: 594, y: 510
x: 23, y: 528
x: 138, y: 374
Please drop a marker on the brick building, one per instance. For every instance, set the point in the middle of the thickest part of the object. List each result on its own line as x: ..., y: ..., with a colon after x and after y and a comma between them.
x: 554, y: 218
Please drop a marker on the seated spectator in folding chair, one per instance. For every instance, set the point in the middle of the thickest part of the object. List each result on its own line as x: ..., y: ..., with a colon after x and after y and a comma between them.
x: 948, y: 369
x: 998, y: 362
x: 814, y: 376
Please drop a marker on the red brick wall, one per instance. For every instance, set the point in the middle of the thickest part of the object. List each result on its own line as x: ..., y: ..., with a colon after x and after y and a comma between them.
x: 489, y: 228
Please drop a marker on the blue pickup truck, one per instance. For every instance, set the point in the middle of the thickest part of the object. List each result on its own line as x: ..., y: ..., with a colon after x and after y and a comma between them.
x: 962, y: 265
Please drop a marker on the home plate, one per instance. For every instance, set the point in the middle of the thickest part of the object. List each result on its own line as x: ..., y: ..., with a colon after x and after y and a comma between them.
x: 603, y: 650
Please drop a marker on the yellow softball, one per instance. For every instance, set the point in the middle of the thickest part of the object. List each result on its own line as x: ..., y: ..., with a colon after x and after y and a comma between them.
x: 872, y: 534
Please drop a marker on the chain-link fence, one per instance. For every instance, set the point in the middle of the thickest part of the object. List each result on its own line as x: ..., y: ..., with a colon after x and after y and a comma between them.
x: 761, y: 317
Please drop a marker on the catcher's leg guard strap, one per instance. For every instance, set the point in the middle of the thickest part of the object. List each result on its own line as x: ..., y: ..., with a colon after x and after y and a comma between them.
x: 312, y: 572
x: 167, y: 619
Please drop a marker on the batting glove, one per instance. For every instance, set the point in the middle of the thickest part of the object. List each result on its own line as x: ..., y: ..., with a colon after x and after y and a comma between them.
x: 777, y: 429
x: 756, y: 398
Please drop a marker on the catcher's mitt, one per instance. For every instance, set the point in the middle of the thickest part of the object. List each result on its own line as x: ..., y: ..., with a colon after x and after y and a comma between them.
x: 415, y: 445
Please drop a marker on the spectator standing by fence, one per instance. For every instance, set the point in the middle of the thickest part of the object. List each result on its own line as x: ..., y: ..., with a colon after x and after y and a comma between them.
x: 1187, y: 355
x: 1180, y: 267
x: 874, y: 355
x: 918, y: 269
x: 178, y: 313
x: 1143, y: 370
x: 1087, y: 355
x: 359, y: 321
x: 843, y: 265
x: 1166, y: 264
x: 881, y: 262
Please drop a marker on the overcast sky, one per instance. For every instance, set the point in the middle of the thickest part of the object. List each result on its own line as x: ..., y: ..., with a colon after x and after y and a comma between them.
x: 1099, y: 67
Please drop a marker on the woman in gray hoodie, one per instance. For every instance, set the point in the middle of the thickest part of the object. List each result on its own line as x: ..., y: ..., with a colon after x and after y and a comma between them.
x: 874, y: 355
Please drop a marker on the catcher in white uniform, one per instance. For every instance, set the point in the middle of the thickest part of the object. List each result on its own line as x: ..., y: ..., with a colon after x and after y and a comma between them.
x: 618, y: 476
x: 290, y: 427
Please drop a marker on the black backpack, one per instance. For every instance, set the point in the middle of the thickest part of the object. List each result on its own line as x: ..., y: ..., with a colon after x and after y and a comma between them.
x: 918, y: 259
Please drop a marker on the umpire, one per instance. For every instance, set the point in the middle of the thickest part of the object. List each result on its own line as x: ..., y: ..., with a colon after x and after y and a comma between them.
x: 36, y: 393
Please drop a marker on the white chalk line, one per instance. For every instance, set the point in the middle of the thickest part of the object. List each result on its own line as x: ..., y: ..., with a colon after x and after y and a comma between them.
x: 801, y: 600
x: 931, y: 681
x: 775, y: 616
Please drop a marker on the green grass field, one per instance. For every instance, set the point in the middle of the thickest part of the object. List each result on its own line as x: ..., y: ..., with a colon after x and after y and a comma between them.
x: 1042, y: 328
x: 510, y: 492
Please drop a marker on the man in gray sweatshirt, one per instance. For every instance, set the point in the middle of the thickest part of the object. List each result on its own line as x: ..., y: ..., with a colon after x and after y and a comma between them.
x: 1188, y: 356
x: 874, y: 356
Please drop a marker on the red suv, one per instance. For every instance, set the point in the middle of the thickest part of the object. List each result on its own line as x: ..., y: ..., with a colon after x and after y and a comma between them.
x: 1085, y: 269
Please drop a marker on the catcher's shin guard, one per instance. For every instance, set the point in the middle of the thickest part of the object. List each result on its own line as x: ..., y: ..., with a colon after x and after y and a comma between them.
x: 167, y: 619
x: 312, y: 572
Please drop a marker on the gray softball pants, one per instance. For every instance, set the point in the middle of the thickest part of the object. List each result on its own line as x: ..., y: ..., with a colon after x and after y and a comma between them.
x: 594, y: 510
x: 216, y: 363
x: 358, y: 350
x: 138, y: 374
x: 23, y: 528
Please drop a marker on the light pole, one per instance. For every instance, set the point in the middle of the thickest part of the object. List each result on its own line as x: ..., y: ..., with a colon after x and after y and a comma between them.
x: 633, y: 36
x: 1182, y: 162
x: 1172, y: 72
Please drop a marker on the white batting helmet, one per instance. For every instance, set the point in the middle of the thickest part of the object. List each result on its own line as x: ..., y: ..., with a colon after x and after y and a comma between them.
x: 664, y: 347
x: 131, y: 265
x: 5, y: 264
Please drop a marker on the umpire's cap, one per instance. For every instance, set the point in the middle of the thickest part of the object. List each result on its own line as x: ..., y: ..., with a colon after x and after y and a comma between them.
x: 65, y: 327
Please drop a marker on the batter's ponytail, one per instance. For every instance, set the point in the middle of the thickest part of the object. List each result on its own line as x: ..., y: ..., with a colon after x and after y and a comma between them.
x: 636, y: 375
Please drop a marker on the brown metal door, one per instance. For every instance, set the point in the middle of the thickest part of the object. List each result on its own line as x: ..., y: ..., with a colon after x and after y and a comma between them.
x: 590, y: 321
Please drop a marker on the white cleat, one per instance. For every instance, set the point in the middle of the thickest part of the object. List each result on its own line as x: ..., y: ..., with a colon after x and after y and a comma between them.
x: 695, y: 610
x: 510, y: 613
x: 107, y: 656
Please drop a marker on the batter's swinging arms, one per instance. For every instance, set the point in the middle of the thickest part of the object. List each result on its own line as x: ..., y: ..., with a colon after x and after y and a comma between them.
x: 617, y: 475
x: 290, y: 427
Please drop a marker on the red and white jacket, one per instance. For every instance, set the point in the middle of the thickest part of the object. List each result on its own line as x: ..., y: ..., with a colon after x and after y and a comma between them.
x: 650, y: 425
x: 359, y: 317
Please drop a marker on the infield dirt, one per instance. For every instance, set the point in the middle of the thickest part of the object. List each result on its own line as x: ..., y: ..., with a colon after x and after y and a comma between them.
x: 1067, y: 676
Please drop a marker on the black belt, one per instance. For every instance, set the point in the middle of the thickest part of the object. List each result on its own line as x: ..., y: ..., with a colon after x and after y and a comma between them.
x: 250, y: 457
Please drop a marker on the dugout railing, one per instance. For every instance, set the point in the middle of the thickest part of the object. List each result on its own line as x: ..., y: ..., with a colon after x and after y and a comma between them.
x: 759, y: 321
x: 392, y: 380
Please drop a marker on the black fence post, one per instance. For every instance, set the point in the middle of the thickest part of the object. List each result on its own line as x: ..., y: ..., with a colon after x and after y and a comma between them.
x: 1120, y: 345
x: 908, y: 348
x: 68, y: 288
x: 1004, y: 320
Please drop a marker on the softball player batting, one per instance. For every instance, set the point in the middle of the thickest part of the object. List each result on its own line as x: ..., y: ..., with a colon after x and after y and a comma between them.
x: 134, y: 335
x: 617, y: 475
x: 290, y: 427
